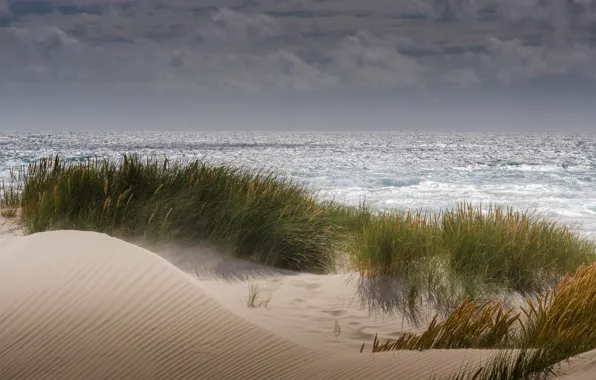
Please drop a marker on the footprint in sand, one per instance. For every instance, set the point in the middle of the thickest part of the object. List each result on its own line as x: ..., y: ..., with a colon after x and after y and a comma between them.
x: 307, y: 285
x: 362, y: 335
x: 335, y: 313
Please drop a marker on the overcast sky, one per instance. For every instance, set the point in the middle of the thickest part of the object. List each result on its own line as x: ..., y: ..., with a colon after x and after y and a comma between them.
x: 497, y: 65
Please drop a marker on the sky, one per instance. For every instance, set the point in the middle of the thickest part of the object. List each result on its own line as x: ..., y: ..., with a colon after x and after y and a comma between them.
x: 440, y: 65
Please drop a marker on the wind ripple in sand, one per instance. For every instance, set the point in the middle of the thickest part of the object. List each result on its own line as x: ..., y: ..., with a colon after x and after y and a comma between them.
x: 81, y: 305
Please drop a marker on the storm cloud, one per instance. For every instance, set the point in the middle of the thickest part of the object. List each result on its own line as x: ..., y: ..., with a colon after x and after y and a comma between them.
x: 254, y: 46
x: 503, y: 51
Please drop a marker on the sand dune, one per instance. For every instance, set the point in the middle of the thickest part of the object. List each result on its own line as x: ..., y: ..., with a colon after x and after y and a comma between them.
x: 81, y: 305
x: 320, y: 311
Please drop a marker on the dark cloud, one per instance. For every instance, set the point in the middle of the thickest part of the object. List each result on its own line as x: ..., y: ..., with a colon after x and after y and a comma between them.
x: 296, y: 45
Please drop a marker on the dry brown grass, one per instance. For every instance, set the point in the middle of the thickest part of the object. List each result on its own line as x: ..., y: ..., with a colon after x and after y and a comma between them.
x: 9, y: 213
x: 566, y: 314
x: 550, y: 329
x: 471, y: 325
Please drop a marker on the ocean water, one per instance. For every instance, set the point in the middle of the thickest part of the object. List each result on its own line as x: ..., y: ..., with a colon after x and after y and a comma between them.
x: 552, y: 174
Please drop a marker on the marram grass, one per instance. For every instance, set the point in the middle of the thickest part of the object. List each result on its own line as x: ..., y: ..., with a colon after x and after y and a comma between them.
x: 468, y: 252
x: 514, y: 248
x: 549, y: 330
x: 463, y: 252
x: 566, y: 316
x: 524, y: 364
x: 470, y: 325
x: 255, y: 300
x: 390, y: 243
x: 456, y: 259
x: 498, y: 245
x: 10, y: 196
x: 252, y: 214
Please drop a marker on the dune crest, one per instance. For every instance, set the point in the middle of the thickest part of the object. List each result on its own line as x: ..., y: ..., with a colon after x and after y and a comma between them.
x: 81, y: 305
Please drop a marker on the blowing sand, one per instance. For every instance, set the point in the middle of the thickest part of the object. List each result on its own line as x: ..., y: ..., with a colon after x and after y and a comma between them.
x: 319, y: 311
x: 82, y: 305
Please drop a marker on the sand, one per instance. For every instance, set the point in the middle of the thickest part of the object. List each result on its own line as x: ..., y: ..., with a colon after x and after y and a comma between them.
x: 313, y: 311
x: 582, y: 367
x: 320, y: 311
x: 82, y: 305
x: 9, y: 227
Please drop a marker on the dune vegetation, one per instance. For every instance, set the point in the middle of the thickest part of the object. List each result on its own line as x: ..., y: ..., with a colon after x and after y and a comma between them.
x: 547, y: 331
x: 10, y: 197
x: 253, y: 215
x: 459, y: 253
x: 463, y: 262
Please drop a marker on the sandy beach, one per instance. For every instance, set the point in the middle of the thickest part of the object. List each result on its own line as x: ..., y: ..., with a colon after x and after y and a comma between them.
x: 82, y: 305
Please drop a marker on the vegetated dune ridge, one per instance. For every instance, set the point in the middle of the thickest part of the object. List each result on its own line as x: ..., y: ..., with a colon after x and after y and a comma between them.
x: 82, y: 305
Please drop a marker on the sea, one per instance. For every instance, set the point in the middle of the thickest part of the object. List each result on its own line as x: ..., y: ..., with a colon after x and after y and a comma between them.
x: 553, y: 175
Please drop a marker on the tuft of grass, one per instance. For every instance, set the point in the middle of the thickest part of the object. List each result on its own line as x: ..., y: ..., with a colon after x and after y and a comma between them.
x: 566, y: 316
x: 8, y: 213
x: 10, y: 194
x: 512, y: 248
x: 391, y: 244
x: 521, y: 364
x: 10, y: 200
x: 336, y: 329
x: 557, y: 326
x: 409, y: 259
x: 397, y: 255
x: 471, y: 325
x: 254, y: 299
x: 406, y: 260
x: 255, y: 215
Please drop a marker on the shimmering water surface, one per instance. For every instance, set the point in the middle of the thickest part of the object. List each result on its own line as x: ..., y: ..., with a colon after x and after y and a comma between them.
x: 553, y: 174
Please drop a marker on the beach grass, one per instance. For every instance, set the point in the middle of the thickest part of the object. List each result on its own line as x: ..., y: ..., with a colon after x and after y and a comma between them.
x: 536, y: 339
x: 524, y: 364
x: 252, y: 214
x: 468, y: 252
x: 391, y: 243
x: 471, y: 325
x: 565, y: 316
x: 10, y: 195
x: 457, y: 260
x: 513, y: 248
x: 255, y: 298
